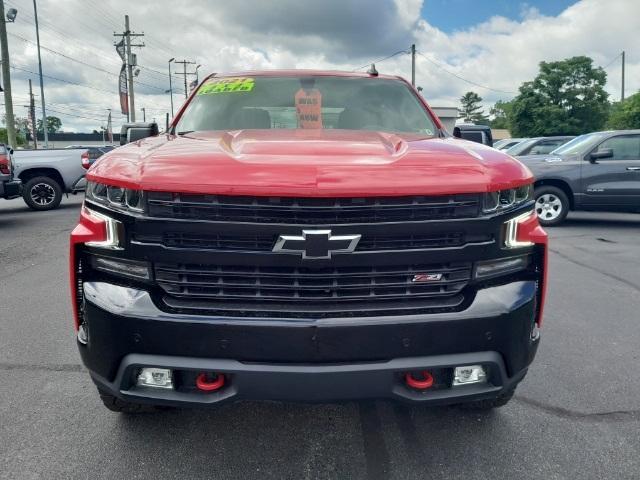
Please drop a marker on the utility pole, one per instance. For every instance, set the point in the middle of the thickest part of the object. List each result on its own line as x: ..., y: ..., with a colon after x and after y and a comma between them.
x: 171, y: 85
x: 413, y: 64
x: 8, y: 102
x: 185, y: 73
x: 622, y: 94
x: 127, y: 34
x: 32, y: 116
x: 44, y: 112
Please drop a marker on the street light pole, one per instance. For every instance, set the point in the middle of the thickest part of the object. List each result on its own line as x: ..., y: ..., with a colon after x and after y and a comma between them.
x: 144, y: 114
x: 44, y: 112
x: 8, y: 102
x: 171, y: 85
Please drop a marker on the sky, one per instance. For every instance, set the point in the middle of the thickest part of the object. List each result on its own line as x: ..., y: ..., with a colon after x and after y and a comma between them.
x: 487, y: 46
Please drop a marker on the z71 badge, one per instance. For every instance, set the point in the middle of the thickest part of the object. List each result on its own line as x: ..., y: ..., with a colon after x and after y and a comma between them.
x: 426, y: 277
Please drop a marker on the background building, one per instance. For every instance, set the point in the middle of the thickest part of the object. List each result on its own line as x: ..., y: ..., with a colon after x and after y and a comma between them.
x: 62, y: 139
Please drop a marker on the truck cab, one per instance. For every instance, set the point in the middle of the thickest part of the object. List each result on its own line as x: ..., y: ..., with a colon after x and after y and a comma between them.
x: 475, y: 133
x: 306, y: 236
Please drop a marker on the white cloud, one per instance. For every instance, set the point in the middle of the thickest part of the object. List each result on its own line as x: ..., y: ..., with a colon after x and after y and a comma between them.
x: 342, y: 34
x: 408, y: 11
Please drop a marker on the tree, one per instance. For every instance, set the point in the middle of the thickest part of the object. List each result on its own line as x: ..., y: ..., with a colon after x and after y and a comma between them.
x: 566, y: 98
x: 21, y: 130
x: 20, y: 139
x: 471, y: 110
x: 500, y: 112
x: 53, y: 125
x: 625, y: 115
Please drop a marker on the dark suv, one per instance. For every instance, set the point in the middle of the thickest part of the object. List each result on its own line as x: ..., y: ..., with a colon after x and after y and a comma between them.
x: 597, y: 171
x: 537, y: 146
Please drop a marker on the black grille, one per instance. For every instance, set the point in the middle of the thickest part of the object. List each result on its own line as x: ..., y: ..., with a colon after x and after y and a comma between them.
x: 311, y: 210
x: 312, y: 292
x: 265, y: 243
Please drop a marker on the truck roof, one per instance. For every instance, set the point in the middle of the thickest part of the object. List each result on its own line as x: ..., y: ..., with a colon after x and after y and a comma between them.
x: 299, y: 72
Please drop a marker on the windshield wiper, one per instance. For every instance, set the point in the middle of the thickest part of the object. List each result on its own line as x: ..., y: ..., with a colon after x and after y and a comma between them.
x: 186, y: 132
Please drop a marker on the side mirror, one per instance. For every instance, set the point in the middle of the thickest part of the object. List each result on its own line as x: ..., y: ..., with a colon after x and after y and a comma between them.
x: 457, y: 132
x: 10, y: 151
x: 132, y: 132
x: 602, y: 153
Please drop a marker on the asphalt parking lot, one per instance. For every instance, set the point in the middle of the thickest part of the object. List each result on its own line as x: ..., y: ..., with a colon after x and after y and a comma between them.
x: 576, y: 415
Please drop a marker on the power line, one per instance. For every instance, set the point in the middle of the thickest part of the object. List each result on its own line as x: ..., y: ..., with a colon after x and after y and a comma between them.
x: 462, y: 78
x: 77, y: 26
x: 67, y: 114
x: 100, y: 69
x: 51, y: 30
x: 381, y: 59
x: 106, y: 14
x: 15, y: 67
x: 173, y: 75
x: 185, y: 74
x: 614, y: 59
x: 76, y: 115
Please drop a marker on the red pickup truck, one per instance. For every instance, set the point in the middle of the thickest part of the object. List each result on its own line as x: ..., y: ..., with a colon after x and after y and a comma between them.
x: 306, y: 236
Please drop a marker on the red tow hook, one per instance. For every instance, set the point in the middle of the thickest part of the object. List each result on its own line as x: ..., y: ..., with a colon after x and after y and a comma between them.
x: 203, y: 383
x: 427, y: 382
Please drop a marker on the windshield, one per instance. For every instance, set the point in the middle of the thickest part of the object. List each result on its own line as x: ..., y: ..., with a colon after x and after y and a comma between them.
x: 311, y: 102
x: 579, y: 144
x: 520, y: 147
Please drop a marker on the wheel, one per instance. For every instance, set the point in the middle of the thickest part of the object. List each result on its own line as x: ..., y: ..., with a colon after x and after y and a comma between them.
x: 42, y: 193
x: 489, y: 404
x: 116, y: 404
x: 552, y: 205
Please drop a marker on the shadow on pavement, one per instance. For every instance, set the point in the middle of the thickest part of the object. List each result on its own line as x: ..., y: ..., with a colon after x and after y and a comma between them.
x: 631, y: 220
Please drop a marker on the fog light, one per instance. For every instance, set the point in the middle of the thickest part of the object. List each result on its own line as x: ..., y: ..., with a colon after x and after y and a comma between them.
x: 469, y: 374
x: 501, y: 266
x: 121, y: 266
x: 155, y: 377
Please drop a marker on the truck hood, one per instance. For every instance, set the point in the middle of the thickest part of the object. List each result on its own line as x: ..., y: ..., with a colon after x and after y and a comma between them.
x: 309, y: 163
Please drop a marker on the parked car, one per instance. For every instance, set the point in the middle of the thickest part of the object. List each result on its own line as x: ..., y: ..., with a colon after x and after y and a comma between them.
x: 49, y: 173
x: 10, y: 187
x: 506, y: 143
x: 475, y: 133
x: 95, y: 152
x: 597, y: 171
x: 537, y: 146
x: 306, y: 236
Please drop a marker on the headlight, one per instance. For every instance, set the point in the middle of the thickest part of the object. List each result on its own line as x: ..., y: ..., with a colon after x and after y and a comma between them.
x: 115, y: 197
x: 506, y: 199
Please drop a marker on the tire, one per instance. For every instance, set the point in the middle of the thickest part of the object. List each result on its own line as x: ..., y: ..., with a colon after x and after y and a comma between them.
x: 489, y: 404
x: 118, y: 405
x: 42, y: 193
x: 552, y: 205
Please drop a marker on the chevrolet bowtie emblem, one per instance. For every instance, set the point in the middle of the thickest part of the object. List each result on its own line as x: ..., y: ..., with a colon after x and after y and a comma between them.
x: 316, y: 244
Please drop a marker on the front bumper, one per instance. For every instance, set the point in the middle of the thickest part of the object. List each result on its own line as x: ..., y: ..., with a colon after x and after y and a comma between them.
x: 308, y: 360
x: 11, y: 189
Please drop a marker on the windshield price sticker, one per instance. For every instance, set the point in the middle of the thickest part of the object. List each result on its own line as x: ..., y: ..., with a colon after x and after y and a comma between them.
x: 309, y: 108
x: 227, y: 85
